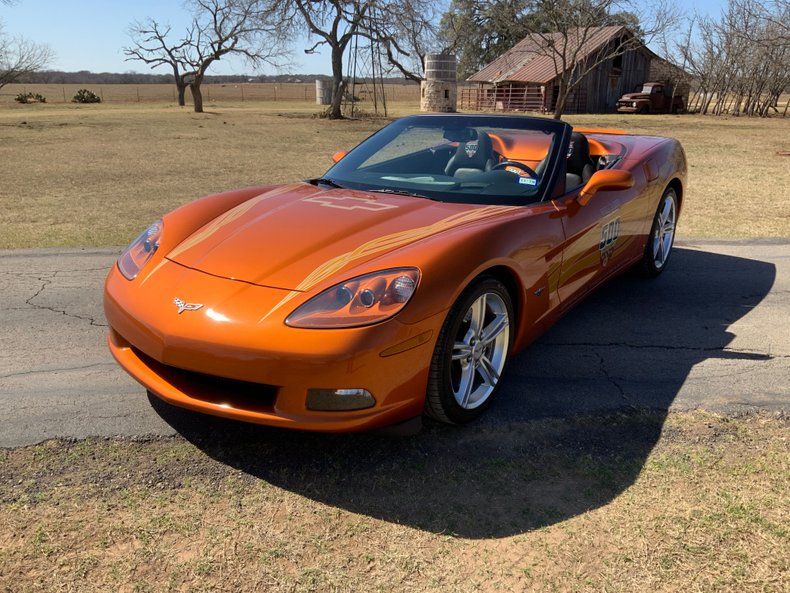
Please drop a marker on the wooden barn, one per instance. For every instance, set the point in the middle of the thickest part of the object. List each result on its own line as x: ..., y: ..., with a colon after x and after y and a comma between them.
x: 527, y: 76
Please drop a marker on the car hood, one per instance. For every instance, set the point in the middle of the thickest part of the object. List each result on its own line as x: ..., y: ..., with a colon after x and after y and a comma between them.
x: 295, y: 237
x: 634, y: 96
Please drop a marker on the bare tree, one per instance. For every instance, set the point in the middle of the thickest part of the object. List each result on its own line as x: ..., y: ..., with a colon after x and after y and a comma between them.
x: 335, y: 23
x: 741, y: 60
x: 403, y: 28
x: 152, y: 46
x: 218, y: 28
x: 775, y: 15
x: 20, y: 56
x: 407, y: 30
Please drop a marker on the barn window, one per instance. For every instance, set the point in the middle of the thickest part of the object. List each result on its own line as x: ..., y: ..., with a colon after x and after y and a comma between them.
x: 617, y: 64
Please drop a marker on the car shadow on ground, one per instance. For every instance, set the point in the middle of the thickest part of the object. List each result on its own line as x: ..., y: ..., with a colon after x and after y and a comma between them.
x: 578, y: 414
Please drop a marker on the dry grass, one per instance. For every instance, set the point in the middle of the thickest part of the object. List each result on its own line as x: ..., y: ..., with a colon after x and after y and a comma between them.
x: 558, y: 505
x: 220, y: 93
x: 94, y: 175
x: 738, y: 185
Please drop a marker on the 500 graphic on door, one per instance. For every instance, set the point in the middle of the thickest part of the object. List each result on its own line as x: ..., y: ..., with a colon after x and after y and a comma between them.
x: 609, y: 234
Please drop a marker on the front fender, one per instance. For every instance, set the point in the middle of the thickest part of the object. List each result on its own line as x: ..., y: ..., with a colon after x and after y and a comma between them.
x: 523, y: 247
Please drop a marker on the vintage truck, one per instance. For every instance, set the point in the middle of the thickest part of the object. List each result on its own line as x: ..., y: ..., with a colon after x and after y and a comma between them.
x: 652, y: 97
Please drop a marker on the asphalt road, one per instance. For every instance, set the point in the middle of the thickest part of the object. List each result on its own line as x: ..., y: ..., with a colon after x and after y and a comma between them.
x: 711, y: 332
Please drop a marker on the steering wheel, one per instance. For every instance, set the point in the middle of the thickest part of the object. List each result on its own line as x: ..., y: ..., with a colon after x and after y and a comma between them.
x: 517, y: 165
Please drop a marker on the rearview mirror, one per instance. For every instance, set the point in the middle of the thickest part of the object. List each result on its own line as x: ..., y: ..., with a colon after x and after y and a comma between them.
x: 339, y: 155
x: 459, y: 134
x: 608, y: 179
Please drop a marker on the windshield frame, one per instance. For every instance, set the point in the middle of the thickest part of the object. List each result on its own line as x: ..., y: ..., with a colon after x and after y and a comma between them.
x: 561, y: 131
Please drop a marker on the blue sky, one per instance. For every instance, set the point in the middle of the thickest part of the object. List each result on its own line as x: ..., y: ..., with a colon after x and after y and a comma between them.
x: 90, y: 34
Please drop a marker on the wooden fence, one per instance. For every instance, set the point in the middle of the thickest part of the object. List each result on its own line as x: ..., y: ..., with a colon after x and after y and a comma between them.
x: 500, y: 99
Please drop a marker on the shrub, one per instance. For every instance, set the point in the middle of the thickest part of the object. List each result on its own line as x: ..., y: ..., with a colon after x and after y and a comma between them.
x: 30, y: 98
x: 86, y: 96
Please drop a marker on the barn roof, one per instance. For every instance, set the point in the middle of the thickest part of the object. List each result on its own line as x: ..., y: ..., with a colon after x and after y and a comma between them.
x: 528, y: 60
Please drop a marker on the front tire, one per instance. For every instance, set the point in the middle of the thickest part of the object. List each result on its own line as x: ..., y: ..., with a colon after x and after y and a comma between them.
x: 662, y: 235
x: 471, y: 353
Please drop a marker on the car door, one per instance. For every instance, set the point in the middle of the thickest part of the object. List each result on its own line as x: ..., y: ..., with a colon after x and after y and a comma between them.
x: 659, y: 100
x: 600, y: 238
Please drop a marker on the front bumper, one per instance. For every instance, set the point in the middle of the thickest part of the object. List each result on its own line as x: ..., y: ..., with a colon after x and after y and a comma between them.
x: 229, y: 359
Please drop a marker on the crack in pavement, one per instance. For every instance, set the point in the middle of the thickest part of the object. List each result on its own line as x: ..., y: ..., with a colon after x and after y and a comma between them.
x: 756, y: 355
x: 46, y: 282
x: 613, y: 381
x: 56, y: 370
x: 53, y: 272
x: 756, y: 405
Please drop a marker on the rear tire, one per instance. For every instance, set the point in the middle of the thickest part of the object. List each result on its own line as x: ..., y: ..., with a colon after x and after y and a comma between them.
x: 662, y: 235
x: 471, y: 353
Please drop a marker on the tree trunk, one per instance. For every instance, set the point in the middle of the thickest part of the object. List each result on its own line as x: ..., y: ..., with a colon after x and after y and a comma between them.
x: 562, y: 96
x: 694, y: 100
x: 181, y: 85
x: 338, y: 86
x: 197, y: 95
x: 706, y: 101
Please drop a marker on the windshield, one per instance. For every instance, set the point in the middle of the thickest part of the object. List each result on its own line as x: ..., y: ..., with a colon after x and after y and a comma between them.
x: 456, y: 158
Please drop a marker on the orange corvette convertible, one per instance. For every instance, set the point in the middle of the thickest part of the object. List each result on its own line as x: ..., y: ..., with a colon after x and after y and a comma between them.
x: 399, y: 283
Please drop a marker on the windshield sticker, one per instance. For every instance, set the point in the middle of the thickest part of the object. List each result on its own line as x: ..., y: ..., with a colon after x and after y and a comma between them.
x: 349, y: 203
x: 527, y: 181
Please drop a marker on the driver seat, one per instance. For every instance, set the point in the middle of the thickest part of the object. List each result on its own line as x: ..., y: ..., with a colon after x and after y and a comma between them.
x: 471, y: 158
x: 580, y: 166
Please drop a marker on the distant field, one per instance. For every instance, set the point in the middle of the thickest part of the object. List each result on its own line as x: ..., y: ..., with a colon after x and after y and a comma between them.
x: 94, y: 175
x: 160, y: 93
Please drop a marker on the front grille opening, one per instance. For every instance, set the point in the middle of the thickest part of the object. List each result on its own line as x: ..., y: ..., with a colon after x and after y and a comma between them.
x: 231, y: 393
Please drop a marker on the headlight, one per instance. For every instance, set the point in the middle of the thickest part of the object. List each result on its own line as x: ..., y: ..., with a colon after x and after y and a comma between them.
x: 360, y: 301
x: 633, y: 104
x: 140, y: 251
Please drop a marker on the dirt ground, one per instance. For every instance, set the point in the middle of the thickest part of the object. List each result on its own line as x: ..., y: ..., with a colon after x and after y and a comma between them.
x: 552, y: 505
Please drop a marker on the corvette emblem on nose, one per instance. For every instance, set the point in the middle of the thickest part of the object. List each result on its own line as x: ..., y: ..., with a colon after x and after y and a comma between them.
x: 182, y: 306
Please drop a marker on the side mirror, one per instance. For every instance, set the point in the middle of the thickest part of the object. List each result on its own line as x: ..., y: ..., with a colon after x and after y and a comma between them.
x: 339, y: 155
x: 607, y: 179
